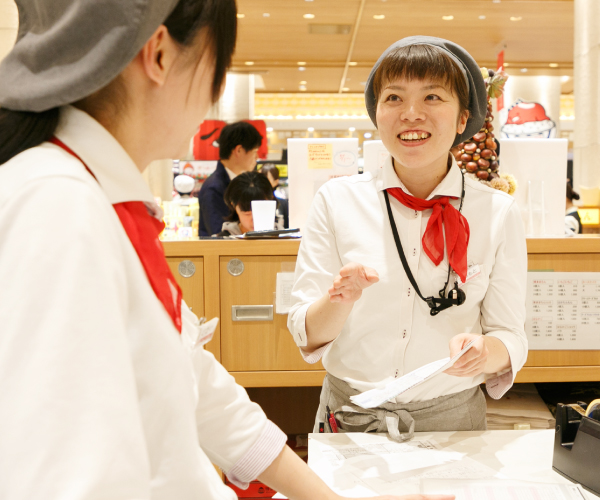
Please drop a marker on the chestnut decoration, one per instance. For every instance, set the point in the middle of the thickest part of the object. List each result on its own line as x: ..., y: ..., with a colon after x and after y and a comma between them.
x: 494, y: 166
x: 484, y: 164
x: 459, y: 163
x: 487, y: 154
x: 471, y: 166
x: 481, y: 145
x: 490, y: 143
x: 483, y: 175
x: 476, y: 157
x: 466, y: 157
x: 494, y: 175
x: 470, y: 147
x: 479, y: 136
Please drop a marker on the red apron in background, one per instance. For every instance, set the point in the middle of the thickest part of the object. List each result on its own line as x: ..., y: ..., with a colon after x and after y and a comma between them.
x: 261, y: 126
x: 206, y: 141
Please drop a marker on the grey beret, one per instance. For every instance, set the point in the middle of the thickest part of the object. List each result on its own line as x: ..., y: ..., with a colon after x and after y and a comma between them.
x: 69, y: 49
x: 477, y: 92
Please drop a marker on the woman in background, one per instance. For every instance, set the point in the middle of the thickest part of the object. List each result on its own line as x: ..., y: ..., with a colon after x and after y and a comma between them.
x: 572, y: 219
x: 240, y: 193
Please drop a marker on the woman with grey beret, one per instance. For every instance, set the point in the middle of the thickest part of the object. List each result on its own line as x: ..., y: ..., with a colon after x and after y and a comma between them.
x: 105, y: 389
x: 407, y: 266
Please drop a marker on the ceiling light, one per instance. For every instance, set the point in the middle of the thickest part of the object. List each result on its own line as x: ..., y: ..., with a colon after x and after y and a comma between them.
x: 378, y: 16
x: 352, y: 129
x: 482, y: 17
x: 367, y: 135
x: 565, y: 78
x: 302, y: 87
x: 352, y: 63
x: 553, y: 65
x: 266, y: 14
x: 241, y: 16
x: 301, y: 63
x: 303, y: 82
x: 345, y: 89
x: 506, y: 65
x: 515, y: 18
x: 301, y: 68
x: 447, y: 18
x: 249, y: 63
x: 269, y: 129
x: 523, y: 70
x: 311, y: 129
x: 308, y: 16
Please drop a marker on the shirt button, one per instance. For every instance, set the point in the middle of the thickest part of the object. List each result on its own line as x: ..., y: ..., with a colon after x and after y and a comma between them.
x: 416, y: 214
x: 414, y: 252
x: 404, y: 334
x: 409, y: 292
x: 396, y: 374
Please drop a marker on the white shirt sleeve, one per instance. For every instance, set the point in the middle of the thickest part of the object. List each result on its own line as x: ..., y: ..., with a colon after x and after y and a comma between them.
x: 68, y: 403
x: 233, y: 431
x: 571, y: 225
x: 503, y: 307
x: 317, y: 265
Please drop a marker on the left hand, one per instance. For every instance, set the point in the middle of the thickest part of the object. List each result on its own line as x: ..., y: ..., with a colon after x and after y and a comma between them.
x: 472, y: 362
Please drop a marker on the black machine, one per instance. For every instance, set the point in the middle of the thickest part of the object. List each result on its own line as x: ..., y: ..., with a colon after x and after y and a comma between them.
x: 577, y: 447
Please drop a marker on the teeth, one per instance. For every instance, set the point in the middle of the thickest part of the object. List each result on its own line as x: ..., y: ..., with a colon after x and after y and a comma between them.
x: 412, y: 136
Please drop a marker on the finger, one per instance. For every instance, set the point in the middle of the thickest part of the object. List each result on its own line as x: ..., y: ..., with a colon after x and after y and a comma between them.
x: 458, y: 342
x: 370, y: 275
x: 351, y: 269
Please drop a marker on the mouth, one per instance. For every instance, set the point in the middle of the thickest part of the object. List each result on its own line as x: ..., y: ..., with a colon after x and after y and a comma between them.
x: 415, y: 137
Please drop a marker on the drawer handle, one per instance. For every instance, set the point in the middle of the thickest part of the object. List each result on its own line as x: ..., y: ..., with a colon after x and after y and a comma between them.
x: 252, y: 313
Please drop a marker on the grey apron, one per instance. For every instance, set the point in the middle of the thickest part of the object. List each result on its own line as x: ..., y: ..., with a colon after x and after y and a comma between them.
x: 462, y: 411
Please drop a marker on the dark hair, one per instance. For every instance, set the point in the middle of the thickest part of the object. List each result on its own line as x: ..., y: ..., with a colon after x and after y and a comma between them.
x: 422, y: 62
x: 238, y: 134
x: 571, y: 195
x: 243, y: 189
x: 270, y: 168
x: 21, y: 130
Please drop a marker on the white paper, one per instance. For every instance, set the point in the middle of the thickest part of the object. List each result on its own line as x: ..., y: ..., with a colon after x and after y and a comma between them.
x: 502, y: 489
x: 563, y: 311
x: 378, y: 396
x: 283, y: 292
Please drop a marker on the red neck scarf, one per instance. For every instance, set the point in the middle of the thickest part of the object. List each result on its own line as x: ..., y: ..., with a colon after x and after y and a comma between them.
x: 142, y: 230
x: 445, y: 218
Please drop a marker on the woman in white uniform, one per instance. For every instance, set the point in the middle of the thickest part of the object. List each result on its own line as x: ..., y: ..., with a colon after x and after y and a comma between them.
x: 105, y: 389
x: 406, y: 266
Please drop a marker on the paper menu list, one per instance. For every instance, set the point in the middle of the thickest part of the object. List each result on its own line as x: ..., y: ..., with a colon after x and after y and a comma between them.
x: 563, y: 311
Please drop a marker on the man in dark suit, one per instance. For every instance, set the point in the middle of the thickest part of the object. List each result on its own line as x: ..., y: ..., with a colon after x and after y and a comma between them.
x: 238, y: 150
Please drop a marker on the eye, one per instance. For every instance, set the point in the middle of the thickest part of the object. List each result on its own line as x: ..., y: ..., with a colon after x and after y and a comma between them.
x: 392, y: 97
x: 433, y: 97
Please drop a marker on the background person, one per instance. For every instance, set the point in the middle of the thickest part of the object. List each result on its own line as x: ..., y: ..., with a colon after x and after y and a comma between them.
x: 572, y: 219
x: 238, y: 150
x: 354, y: 304
x: 239, y: 195
x: 103, y: 390
x: 272, y: 173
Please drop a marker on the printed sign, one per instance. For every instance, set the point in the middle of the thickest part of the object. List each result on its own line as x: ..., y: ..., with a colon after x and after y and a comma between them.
x: 320, y: 156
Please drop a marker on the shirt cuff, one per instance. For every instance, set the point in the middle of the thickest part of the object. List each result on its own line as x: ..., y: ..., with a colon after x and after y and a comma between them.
x: 297, y: 325
x: 498, y: 385
x: 260, y: 455
x: 316, y: 355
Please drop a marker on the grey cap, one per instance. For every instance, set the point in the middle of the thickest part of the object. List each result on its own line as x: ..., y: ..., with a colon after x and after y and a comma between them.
x: 477, y: 91
x: 69, y: 49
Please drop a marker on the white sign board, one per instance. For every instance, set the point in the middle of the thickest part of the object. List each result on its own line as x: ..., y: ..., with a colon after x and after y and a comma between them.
x: 563, y: 311
x: 311, y: 163
x: 544, y: 163
x: 375, y: 154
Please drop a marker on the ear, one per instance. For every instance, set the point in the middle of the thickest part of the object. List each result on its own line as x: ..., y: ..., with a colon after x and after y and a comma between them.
x: 157, y: 55
x: 462, y: 122
x: 238, y: 150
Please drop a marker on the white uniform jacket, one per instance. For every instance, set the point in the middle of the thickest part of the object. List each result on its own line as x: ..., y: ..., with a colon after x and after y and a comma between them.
x: 99, y: 396
x: 390, y: 332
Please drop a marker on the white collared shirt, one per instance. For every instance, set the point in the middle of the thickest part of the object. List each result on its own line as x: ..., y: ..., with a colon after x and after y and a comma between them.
x: 390, y: 332
x: 100, y: 397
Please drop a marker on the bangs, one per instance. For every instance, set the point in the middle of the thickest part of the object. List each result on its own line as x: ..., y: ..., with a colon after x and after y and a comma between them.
x: 253, y: 193
x: 421, y: 62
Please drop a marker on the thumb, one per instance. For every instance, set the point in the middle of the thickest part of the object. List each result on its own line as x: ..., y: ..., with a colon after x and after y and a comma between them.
x: 457, y: 343
x: 371, y: 275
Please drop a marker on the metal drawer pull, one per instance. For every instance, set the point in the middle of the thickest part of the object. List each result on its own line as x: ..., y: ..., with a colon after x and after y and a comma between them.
x: 252, y: 313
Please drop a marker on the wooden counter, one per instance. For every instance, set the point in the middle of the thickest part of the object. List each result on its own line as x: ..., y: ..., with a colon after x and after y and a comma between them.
x: 263, y: 354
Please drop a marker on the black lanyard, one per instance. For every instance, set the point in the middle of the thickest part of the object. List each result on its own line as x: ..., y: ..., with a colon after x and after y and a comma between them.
x: 436, y: 305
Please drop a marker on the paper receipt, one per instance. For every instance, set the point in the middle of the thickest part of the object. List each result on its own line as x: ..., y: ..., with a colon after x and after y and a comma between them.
x: 378, y: 396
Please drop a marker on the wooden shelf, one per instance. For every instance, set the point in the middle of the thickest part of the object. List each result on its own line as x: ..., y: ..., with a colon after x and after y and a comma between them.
x: 280, y: 378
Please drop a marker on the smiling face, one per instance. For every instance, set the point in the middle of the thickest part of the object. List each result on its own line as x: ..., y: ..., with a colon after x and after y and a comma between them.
x: 418, y: 120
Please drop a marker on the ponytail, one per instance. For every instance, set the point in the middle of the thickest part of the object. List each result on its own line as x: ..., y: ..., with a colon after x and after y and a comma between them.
x: 21, y: 130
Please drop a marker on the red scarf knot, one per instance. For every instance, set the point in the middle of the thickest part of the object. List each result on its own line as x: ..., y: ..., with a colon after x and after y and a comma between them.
x: 444, y: 219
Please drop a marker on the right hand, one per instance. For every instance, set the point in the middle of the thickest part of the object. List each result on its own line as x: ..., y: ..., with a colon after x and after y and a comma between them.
x: 348, y: 285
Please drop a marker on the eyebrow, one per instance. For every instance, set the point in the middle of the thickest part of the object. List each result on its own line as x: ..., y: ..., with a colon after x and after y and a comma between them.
x: 427, y: 87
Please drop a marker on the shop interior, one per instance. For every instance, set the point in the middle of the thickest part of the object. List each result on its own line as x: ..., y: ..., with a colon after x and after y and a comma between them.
x: 298, y: 74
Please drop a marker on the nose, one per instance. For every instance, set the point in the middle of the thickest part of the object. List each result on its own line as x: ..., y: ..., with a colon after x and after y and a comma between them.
x: 413, y: 111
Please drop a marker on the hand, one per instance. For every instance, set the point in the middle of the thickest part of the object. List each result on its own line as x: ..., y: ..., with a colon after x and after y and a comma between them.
x: 353, y: 279
x: 472, y: 362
